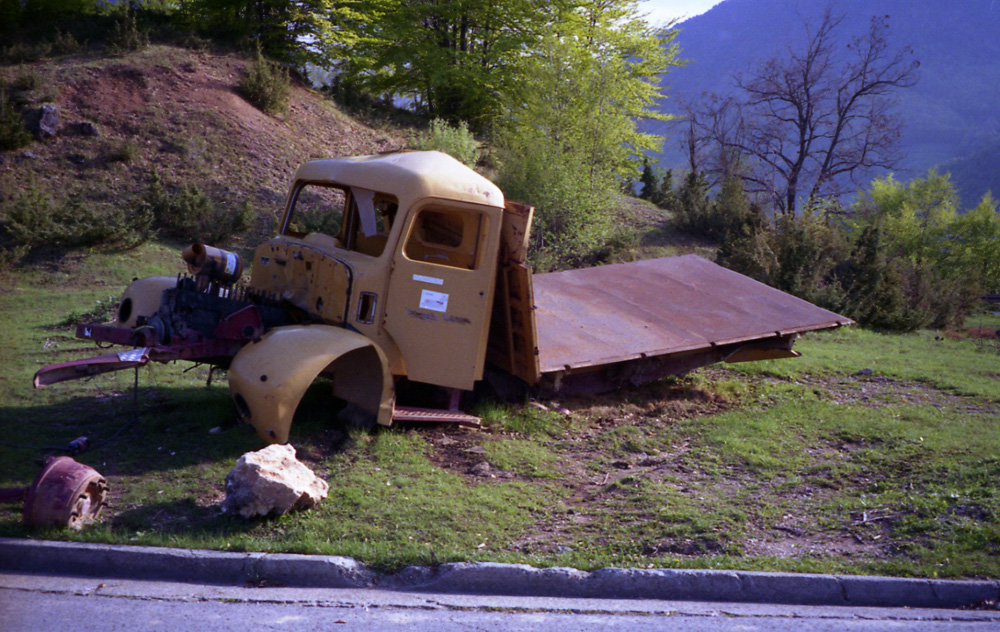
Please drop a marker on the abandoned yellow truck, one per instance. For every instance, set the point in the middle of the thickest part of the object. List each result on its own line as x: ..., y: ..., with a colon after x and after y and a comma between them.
x: 410, y: 267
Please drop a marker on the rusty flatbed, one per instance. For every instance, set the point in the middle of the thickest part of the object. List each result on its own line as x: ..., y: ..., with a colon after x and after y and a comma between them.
x: 659, y: 308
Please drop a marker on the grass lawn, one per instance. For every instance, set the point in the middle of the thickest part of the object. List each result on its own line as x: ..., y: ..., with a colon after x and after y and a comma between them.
x: 870, y: 454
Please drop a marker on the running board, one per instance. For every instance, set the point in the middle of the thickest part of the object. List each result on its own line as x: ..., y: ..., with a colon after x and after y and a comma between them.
x: 436, y: 416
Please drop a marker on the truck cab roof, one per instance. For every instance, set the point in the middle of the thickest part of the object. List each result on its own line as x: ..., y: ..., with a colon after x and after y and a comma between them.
x: 407, y: 175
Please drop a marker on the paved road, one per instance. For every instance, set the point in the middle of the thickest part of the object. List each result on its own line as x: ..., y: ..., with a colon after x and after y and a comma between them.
x: 35, y: 602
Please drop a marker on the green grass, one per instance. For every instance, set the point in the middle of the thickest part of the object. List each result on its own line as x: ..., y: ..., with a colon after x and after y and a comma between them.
x: 810, y: 465
x: 967, y: 366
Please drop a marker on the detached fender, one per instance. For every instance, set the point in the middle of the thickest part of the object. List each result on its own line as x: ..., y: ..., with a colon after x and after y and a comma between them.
x: 143, y: 298
x: 268, y: 378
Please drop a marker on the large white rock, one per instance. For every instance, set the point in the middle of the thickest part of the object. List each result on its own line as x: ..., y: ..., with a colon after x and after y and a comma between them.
x: 271, y: 480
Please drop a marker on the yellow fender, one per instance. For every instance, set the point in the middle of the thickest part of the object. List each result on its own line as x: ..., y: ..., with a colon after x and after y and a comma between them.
x: 143, y: 298
x: 268, y: 378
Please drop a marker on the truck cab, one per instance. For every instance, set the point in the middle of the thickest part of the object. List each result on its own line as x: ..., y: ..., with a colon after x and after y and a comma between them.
x: 399, y: 249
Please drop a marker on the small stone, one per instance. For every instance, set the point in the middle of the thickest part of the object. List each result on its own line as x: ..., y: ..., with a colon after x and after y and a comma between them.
x: 271, y: 481
x: 43, y: 122
x: 480, y: 469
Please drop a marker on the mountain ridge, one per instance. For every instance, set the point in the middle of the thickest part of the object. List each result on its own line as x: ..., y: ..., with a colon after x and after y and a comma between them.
x: 951, y: 117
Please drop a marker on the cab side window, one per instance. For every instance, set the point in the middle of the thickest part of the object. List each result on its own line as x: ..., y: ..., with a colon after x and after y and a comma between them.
x: 342, y: 217
x: 447, y: 237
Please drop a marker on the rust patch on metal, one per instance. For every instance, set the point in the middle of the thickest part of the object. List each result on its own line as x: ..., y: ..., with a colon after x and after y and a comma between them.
x: 659, y: 308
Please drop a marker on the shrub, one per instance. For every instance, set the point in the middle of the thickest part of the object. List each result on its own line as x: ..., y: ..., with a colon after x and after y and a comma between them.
x: 456, y: 141
x: 126, y: 36
x: 25, y: 80
x: 874, y: 286
x: 21, y: 52
x: 266, y: 85
x: 729, y: 217
x: 126, y: 152
x: 796, y: 255
x: 13, y: 134
x: 191, y: 215
x: 65, y: 44
x: 571, y: 226
x: 657, y: 185
x: 33, y: 222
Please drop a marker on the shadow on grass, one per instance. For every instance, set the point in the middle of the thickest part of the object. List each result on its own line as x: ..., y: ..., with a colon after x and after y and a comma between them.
x: 179, y: 516
x: 176, y: 428
x: 173, y: 430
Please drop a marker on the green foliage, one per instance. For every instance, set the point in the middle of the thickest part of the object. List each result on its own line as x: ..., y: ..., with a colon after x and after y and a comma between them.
x: 568, y: 135
x: 189, y: 214
x: 126, y: 36
x: 455, y: 140
x: 32, y: 221
x: 657, y: 185
x: 266, y: 84
x: 873, y: 287
x: 126, y: 152
x: 13, y: 134
x: 973, y: 245
x: 728, y: 218
x: 65, y: 44
x: 795, y: 255
x: 331, y: 28
x: 570, y: 224
x: 904, y: 259
x: 806, y: 249
x: 456, y: 60
x: 932, y: 251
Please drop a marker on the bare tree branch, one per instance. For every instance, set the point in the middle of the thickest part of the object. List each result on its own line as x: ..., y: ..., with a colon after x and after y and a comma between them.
x: 805, y: 125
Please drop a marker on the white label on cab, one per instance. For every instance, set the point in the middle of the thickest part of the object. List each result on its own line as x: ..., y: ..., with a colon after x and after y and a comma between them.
x: 427, y: 279
x: 433, y: 301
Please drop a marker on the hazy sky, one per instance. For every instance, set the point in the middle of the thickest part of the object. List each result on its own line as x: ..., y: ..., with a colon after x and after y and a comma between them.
x: 665, y: 10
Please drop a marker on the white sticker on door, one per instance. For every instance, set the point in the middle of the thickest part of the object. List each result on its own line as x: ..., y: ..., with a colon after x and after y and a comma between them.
x: 434, y: 301
x: 427, y: 279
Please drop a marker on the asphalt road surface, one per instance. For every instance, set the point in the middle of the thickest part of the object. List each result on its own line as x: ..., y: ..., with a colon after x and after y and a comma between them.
x: 35, y: 602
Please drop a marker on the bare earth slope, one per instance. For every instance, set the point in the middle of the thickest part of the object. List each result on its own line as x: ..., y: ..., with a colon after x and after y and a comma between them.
x: 175, y: 112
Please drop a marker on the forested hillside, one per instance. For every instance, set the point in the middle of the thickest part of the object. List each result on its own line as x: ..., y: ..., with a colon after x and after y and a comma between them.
x: 951, y: 116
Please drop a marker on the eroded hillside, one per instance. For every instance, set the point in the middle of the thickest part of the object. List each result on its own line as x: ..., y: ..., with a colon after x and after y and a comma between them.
x: 176, y: 113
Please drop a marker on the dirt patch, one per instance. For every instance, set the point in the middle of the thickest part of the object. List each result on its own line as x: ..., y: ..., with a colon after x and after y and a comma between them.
x: 178, y: 113
x: 599, y: 479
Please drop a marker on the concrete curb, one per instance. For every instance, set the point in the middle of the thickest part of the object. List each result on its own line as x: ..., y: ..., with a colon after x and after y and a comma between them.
x: 321, y: 571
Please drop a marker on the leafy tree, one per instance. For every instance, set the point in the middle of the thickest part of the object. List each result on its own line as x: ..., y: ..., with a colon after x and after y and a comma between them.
x: 316, y: 31
x: 454, y: 59
x: 807, y: 122
x: 974, y: 245
x: 916, y: 215
x: 919, y: 220
x: 573, y: 114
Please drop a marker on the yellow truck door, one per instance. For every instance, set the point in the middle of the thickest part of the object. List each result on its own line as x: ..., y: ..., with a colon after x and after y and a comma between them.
x: 441, y: 291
